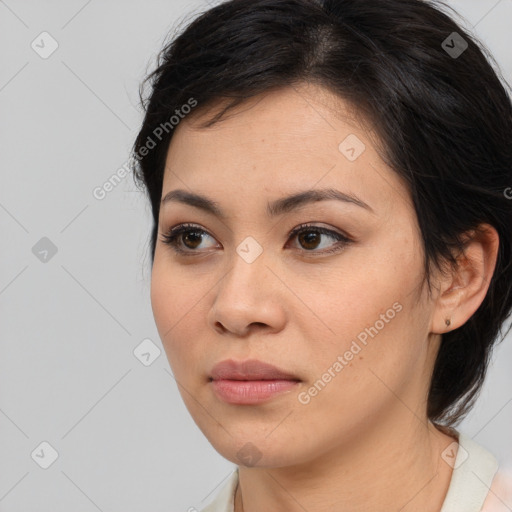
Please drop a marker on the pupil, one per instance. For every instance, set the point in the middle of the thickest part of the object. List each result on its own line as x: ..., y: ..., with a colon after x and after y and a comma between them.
x: 193, y: 234
x: 311, y: 237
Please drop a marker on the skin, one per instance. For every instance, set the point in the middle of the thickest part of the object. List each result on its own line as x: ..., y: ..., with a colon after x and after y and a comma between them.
x: 364, y: 441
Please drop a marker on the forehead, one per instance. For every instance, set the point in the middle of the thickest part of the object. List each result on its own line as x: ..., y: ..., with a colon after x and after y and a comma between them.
x: 289, y: 139
x: 285, y: 116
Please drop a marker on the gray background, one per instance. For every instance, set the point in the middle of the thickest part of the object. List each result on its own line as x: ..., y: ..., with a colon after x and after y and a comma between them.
x: 69, y: 326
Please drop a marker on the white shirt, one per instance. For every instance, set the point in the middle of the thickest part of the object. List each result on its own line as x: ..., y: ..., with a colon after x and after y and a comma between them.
x: 473, y: 472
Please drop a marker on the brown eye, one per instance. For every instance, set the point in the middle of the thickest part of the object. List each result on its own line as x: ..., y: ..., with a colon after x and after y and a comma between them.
x: 191, y: 239
x: 310, y: 238
x: 185, y: 238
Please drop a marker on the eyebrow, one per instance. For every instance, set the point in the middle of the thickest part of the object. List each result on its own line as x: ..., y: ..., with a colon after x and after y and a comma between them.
x: 274, y: 208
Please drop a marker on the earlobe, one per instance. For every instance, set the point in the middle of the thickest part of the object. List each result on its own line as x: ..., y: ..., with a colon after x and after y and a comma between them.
x: 464, y: 289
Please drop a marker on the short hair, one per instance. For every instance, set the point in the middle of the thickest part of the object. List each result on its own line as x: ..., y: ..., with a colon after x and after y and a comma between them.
x: 432, y: 92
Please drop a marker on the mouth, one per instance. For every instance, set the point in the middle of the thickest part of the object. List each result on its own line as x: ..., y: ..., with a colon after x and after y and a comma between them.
x: 249, y: 370
x: 250, y: 382
x: 251, y: 392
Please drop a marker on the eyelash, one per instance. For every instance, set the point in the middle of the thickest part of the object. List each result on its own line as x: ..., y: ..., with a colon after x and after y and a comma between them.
x: 171, y: 238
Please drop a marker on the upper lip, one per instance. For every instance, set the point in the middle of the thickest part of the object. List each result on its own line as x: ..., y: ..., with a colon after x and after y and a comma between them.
x: 251, y: 369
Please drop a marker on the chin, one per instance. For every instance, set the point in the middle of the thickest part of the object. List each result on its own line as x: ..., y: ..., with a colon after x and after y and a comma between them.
x: 253, y: 451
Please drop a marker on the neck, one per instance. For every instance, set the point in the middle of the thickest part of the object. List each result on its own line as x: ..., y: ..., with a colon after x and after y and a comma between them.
x: 384, y: 468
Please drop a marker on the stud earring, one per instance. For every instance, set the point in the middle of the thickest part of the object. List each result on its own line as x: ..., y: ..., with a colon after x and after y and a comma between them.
x: 447, y: 321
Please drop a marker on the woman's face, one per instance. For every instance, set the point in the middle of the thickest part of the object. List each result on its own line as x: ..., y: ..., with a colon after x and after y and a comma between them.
x: 349, y: 319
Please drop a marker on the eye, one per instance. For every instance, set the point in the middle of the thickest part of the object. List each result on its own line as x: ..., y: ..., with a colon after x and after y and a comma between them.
x: 189, y: 234
x: 309, y: 236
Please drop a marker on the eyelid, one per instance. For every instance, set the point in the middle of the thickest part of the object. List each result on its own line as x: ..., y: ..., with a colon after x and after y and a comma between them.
x: 340, y: 237
x: 171, y: 236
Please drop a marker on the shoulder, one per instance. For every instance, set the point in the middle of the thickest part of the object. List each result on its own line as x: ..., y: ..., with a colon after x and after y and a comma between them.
x: 224, y: 500
x: 474, y: 469
x: 499, y: 498
x: 478, y: 482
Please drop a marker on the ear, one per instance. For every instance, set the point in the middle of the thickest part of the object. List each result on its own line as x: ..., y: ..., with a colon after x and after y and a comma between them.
x: 463, y: 289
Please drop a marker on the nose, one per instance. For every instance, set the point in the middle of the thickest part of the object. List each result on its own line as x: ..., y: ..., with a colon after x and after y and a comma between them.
x: 249, y: 297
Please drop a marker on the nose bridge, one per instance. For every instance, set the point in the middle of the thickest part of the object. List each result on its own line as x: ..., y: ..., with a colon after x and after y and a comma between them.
x: 248, y: 267
x: 245, y: 294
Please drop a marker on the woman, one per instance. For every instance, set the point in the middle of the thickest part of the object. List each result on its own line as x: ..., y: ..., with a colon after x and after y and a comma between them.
x: 331, y: 248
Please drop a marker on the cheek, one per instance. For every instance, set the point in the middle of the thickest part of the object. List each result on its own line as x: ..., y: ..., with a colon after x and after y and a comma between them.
x: 356, y: 294
x: 177, y: 309
x: 361, y: 373
x: 369, y: 318
x: 163, y: 300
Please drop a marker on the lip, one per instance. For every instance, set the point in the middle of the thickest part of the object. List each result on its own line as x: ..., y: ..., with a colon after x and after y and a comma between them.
x: 251, y: 369
x: 250, y: 382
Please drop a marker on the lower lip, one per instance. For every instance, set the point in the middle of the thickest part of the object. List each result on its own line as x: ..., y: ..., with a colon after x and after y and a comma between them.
x: 250, y: 391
